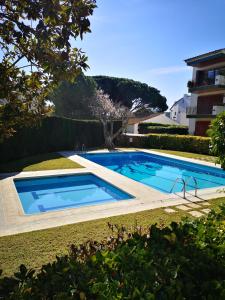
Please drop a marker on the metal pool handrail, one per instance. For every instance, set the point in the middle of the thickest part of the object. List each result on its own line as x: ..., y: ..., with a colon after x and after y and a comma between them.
x: 195, y: 181
x: 181, y: 180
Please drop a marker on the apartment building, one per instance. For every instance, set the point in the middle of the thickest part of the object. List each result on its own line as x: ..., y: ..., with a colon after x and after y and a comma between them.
x: 207, y: 89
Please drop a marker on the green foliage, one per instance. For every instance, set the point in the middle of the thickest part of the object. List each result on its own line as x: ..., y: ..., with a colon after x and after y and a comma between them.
x: 153, y: 124
x: 126, y: 90
x: 73, y: 99
x: 217, y: 134
x: 36, y: 36
x: 182, y: 261
x: 53, y: 134
x: 169, y: 129
x: 188, y: 143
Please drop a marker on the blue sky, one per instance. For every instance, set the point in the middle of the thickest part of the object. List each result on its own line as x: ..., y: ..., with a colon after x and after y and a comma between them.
x: 147, y: 40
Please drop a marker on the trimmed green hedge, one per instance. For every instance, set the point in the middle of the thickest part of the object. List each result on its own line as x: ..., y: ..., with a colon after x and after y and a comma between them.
x: 53, y: 134
x: 145, y: 124
x: 169, y: 129
x: 182, y: 261
x: 188, y: 143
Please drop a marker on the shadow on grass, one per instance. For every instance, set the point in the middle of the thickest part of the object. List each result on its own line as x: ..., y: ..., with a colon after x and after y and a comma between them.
x: 39, y: 162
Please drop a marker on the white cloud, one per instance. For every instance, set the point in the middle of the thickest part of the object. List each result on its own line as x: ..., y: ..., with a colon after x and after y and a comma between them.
x: 169, y: 70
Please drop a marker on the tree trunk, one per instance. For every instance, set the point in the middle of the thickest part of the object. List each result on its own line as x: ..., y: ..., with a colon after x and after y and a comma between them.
x: 109, y: 142
x: 108, y: 136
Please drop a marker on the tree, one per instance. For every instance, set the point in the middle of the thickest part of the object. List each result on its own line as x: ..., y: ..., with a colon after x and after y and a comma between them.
x: 73, y: 99
x: 126, y: 91
x: 108, y: 112
x: 35, y: 40
x: 217, y: 134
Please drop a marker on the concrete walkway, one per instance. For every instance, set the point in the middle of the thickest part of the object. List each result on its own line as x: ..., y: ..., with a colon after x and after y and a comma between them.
x: 13, y: 220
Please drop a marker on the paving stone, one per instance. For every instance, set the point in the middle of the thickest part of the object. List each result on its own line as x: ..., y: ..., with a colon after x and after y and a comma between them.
x: 193, y: 205
x: 205, y: 203
x: 196, y: 213
x: 183, y: 207
x: 169, y: 210
x: 206, y: 210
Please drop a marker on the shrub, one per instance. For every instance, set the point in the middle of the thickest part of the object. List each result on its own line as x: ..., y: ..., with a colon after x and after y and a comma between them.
x: 173, y: 129
x: 53, y: 134
x: 217, y: 134
x: 188, y: 143
x: 183, y: 261
x: 143, y: 125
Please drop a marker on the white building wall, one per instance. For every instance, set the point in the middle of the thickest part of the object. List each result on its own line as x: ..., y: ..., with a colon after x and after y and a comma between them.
x: 178, y: 111
x: 174, y: 113
x: 132, y: 128
x: 183, y: 120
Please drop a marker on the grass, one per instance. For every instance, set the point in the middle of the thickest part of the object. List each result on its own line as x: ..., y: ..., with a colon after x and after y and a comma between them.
x: 204, y: 157
x: 39, y: 247
x: 48, y: 161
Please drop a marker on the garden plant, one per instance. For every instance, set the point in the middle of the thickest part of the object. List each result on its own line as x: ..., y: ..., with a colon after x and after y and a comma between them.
x: 182, y: 261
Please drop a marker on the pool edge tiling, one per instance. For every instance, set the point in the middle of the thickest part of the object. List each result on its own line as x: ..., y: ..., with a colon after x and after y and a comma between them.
x: 55, y: 193
x: 13, y: 220
x: 159, y: 172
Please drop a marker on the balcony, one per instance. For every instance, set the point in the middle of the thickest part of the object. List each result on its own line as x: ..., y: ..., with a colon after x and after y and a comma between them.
x: 206, y: 82
x: 208, y: 112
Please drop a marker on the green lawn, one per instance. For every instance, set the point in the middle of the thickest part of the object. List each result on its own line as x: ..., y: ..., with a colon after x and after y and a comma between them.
x: 204, y: 157
x: 39, y: 247
x: 48, y: 161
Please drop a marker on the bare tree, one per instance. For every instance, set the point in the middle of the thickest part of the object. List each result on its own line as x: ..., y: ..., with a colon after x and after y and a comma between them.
x: 108, y: 112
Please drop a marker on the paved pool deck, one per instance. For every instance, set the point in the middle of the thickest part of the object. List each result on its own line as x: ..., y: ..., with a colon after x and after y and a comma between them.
x: 13, y: 220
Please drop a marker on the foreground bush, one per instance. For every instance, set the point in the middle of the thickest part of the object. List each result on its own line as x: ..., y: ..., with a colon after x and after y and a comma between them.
x: 188, y: 143
x: 169, y: 129
x: 217, y: 134
x: 183, y: 261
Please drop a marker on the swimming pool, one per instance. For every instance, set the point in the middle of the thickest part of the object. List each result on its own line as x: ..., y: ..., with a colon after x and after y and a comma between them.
x: 160, y: 172
x: 38, y: 195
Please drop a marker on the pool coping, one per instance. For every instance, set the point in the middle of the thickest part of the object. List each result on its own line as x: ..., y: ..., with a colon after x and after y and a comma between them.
x: 13, y: 220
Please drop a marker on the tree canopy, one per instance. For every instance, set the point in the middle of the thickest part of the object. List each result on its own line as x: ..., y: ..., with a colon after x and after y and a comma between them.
x: 217, y: 134
x: 73, y: 99
x: 105, y: 110
x: 126, y: 91
x: 35, y: 41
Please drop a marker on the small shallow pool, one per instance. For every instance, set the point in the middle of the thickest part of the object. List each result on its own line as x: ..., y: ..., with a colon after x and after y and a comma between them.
x: 38, y: 195
x: 160, y: 172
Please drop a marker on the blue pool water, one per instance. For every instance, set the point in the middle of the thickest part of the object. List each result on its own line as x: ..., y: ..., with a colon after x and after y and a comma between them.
x: 59, y: 192
x: 159, y: 172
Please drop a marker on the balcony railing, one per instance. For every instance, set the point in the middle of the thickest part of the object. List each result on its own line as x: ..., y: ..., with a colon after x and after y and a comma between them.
x: 193, y: 111
x: 217, y: 81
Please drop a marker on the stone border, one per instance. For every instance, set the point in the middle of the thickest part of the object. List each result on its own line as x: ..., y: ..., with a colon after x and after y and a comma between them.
x: 13, y: 220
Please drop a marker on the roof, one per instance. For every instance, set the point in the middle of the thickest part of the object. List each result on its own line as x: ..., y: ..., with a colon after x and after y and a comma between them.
x: 136, y: 120
x: 160, y: 118
x: 176, y: 102
x: 206, y: 56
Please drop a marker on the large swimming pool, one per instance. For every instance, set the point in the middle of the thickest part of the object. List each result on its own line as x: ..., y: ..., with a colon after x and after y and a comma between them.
x: 160, y: 172
x: 38, y: 195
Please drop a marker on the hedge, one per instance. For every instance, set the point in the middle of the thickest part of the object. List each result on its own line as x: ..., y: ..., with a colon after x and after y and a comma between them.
x: 53, y: 134
x: 182, y: 261
x: 146, y: 124
x: 188, y: 143
x: 169, y: 129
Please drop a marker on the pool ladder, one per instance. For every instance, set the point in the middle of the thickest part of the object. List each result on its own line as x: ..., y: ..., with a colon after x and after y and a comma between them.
x: 185, y: 183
